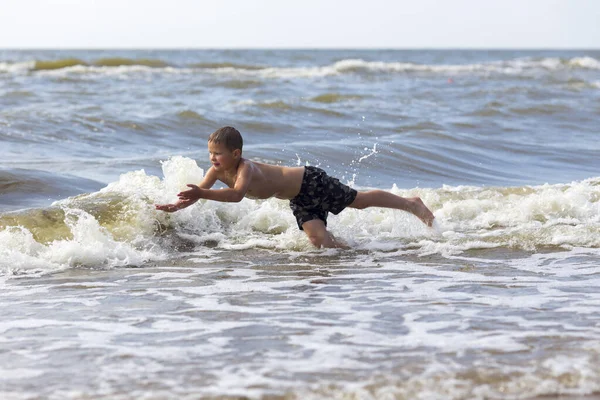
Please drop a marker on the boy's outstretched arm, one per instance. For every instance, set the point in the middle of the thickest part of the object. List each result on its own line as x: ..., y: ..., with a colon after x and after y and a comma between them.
x: 209, y: 180
x: 231, y: 195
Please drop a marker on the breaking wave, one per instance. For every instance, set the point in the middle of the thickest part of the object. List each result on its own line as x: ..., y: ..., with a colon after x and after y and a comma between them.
x: 118, y: 224
x: 346, y: 66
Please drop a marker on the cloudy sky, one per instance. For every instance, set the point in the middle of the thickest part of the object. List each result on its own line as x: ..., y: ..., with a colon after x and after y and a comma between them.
x: 300, y: 23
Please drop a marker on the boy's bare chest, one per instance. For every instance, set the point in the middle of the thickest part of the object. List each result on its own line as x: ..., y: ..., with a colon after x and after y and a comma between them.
x: 228, y: 180
x: 253, y: 191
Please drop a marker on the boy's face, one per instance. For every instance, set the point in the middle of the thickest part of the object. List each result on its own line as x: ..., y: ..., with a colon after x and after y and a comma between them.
x: 221, y: 158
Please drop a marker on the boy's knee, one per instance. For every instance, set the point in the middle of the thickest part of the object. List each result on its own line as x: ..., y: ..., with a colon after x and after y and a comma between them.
x: 316, y: 232
x: 317, y: 239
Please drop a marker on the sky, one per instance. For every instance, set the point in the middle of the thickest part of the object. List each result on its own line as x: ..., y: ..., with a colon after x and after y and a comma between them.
x: 300, y: 24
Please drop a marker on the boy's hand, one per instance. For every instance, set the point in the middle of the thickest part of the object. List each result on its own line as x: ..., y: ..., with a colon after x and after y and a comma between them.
x: 192, y: 194
x: 167, y: 207
x: 186, y: 199
x: 178, y: 205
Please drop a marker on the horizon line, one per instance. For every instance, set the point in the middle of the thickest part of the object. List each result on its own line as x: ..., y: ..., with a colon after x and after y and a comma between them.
x: 466, y: 48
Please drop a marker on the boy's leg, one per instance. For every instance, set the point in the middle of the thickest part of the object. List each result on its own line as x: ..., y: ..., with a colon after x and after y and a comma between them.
x: 319, y: 236
x: 380, y: 198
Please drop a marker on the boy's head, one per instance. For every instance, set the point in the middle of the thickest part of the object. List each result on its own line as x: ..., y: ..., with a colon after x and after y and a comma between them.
x: 229, y: 137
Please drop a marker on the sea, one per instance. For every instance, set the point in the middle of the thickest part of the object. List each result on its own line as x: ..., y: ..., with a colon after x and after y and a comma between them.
x: 104, y: 297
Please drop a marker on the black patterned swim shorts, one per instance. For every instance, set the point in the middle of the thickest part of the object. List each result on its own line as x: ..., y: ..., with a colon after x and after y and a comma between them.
x: 319, y: 195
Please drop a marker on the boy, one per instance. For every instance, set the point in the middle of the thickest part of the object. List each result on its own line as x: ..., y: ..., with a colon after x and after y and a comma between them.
x: 311, y: 192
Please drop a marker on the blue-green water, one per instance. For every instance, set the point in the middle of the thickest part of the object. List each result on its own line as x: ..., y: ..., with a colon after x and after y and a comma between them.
x: 104, y: 297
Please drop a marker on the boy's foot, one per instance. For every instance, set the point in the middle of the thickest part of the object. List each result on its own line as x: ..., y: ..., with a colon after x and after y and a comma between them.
x: 421, y: 211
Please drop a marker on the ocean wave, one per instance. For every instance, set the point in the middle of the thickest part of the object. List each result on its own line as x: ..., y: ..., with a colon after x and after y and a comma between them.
x: 103, y: 62
x: 16, y: 67
x: 189, y: 114
x: 56, y: 64
x: 230, y: 65
x: 513, y: 66
x: 280, y: 105
x: 347, y: 66
x: 121, y: 220
x: 239, y: 83
x: 21, y: 188
x: 329, y: 98
x: 19, y: 94
x: 541, y: 109
x: 120, y: 61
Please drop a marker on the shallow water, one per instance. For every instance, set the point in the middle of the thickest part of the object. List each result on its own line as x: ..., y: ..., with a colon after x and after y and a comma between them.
x: 104, y: 297
x: 308, y: 325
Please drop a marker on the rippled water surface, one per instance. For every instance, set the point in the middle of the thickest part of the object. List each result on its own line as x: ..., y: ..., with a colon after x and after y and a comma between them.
x: 102, y: 296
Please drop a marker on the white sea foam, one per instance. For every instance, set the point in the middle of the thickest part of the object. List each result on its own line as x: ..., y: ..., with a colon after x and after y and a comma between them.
x: 19, y: 373
x: 510, y: 67
x: 513, y: 66
x: 585, y: 62
x: 91, y: 245
x: 17, y: 68
x: 121, y: 71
